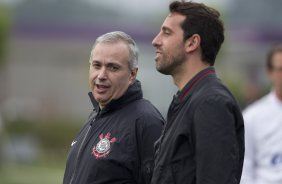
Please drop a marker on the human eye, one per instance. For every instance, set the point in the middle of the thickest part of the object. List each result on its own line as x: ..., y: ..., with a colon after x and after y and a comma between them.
x: 166, y: 31
x: 113, y: 67
x: 96, y: 65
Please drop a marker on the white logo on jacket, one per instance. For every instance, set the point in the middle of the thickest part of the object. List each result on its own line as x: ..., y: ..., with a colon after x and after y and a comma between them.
x: 73, y: 143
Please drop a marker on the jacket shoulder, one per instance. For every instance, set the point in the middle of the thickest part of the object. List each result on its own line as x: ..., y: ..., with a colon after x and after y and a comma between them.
x: 146, y: 111
x: 214, y: 92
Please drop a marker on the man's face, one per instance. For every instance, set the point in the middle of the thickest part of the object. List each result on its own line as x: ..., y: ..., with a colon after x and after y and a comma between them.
x: 109, y: 73
x: 169, y: 44
x: 275, y: 73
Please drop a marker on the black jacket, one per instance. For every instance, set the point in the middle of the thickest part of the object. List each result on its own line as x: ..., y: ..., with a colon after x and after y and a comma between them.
x: 116, y: 144
x: 203, y: 139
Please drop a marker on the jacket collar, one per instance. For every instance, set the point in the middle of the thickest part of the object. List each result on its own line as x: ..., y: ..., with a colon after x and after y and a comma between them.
x: 189, y: 87
x: 133, y: 93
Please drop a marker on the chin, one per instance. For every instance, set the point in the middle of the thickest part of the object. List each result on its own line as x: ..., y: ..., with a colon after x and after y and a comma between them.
x: 163, y: 71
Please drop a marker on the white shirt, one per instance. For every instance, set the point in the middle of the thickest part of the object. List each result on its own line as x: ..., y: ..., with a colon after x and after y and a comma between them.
x: 263, y: 142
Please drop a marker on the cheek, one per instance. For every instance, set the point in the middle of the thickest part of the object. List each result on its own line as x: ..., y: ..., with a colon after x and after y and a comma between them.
x: 279, y: 77
x: 173, y: 50
x: 92, y: 76
x: 122, y: 82
x: 276, y: 78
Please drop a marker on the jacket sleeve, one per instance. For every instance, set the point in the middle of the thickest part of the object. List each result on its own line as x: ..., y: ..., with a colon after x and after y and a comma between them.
x: 149, y: 129
x: 216, y: 144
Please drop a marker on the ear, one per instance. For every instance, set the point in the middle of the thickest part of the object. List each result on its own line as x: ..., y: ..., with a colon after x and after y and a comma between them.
x: 192, y: 43
x: 133, y: 75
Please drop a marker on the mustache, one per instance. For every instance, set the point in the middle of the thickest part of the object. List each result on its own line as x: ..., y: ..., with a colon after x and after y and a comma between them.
x: 158, y: 49
x: 100, y: 82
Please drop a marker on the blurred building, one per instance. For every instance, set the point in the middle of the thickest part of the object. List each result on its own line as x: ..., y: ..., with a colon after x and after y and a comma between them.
x: 253, y: 26
x: 47, y: 71
x: 47, y: 68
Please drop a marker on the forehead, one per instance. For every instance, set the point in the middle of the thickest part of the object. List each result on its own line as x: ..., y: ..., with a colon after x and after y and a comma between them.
x: 173, y: 21
x: 116, y: 51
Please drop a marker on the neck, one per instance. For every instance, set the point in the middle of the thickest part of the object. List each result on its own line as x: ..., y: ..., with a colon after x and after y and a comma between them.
x: 101, y: 106
x: 182, y: 77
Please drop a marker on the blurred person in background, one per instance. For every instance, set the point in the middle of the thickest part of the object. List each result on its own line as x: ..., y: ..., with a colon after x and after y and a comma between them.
x: 116, y: 143
x: 263, y: 122
x: 203, y: 139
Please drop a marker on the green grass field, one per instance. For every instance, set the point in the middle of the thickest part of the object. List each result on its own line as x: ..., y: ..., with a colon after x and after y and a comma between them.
x: 27, y: 174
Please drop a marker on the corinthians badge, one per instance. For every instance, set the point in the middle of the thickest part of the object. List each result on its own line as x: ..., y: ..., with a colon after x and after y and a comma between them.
x: 102, y: 149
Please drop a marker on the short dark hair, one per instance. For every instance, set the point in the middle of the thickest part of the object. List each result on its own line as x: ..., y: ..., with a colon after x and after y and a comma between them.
x: 274, y: 49
x: 204, y: 21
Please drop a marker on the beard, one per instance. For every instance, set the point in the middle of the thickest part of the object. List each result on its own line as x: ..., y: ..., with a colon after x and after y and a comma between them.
x: 169, y: 64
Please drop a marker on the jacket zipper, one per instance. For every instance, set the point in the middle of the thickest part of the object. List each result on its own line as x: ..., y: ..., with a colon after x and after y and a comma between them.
x: 78, y: 154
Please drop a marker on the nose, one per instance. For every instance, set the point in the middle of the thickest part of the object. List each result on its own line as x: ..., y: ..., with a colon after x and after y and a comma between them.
x: 156, y: 41
x: 102, y: 75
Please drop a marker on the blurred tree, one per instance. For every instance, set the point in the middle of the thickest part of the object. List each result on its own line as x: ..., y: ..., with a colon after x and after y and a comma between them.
x: 4, y: 32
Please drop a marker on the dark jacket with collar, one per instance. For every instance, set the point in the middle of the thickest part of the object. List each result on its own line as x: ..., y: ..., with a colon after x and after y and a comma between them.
x: 203, y: 139
x: 115, y: 146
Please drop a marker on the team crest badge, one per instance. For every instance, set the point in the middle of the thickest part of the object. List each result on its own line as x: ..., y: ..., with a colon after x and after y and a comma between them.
x: 103, y: 147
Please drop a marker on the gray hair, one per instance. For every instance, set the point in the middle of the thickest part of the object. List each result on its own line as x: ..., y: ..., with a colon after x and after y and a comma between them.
x: 116, y: 36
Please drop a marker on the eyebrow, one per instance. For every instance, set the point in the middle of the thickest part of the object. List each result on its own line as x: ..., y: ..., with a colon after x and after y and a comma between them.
x: 165, y: 28
x: 91, y: 61
x: 113, y: 64
x: 106, y: 64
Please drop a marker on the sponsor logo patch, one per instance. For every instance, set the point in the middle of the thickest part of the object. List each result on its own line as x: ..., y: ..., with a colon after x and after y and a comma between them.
x: 103, y: 147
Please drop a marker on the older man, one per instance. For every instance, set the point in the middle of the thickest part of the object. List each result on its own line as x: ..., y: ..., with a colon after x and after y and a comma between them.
x: 115, y: 146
